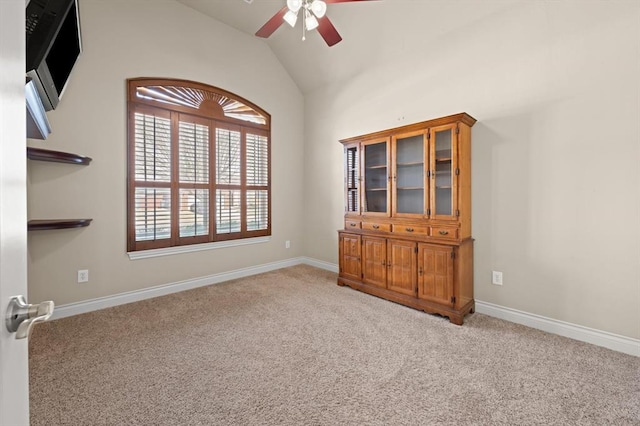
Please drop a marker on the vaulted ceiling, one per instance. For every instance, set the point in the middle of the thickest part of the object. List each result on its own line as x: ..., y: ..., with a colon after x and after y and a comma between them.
x: 374, y: 32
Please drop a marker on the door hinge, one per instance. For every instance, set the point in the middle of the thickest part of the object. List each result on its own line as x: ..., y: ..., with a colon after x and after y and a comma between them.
x: 457, y: 212
x: 362, y: 275
x: 457, y: 171
x: 428, y: 212
x: 453, y: 254
x: 415, y: 249
x: 453, y: 299
x: 428, y: 135
x: 457, y: 129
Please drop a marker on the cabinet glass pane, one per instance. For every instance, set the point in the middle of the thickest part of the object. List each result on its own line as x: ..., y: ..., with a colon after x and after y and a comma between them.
x: 375, y: 177
x: 352, y: 179
x: 444, y: 178
x: 410, y: 174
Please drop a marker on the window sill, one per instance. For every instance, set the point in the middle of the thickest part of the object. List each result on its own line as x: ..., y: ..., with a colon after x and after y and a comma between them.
x: 145, y: 254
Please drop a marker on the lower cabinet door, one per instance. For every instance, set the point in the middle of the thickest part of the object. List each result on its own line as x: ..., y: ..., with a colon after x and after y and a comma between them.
x: 350, y: 256
x: 435, y: 274
x: 401, y: 262
x: 374, y: 261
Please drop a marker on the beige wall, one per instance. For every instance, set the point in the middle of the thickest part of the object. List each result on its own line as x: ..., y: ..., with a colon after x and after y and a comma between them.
x: 133, y: 38
x: 556, y: 180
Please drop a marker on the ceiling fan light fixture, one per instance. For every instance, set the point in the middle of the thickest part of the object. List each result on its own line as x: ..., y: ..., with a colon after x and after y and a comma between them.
x: 319, y: 8
x: 294, y: 5
x: 310, y: 21
x: 290, y: 18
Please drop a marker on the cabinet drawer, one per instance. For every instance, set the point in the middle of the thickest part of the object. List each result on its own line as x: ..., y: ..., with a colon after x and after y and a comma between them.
x: 444, y: 232
x: 351, y: 224
x: 373, y: 226
x: 410, y: 230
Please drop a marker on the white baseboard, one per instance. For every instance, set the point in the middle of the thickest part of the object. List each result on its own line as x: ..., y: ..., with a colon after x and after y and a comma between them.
x: 320, y: 264
x: 162, y: 290
x: 600, y: 338
x: 605, y: 339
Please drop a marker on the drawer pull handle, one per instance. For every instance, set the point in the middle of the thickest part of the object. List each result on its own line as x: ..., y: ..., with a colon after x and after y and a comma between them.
x: 376, y: 226
x: 352, y: 224
x: 409, y: 229
x: 444, y: 232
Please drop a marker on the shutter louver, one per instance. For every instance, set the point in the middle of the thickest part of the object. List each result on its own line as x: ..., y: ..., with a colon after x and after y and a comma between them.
x: 152, y: 214
x: 257, y: 210
x: 194, y: 153
x: 152, y: 148
x: 227, y: 157
x: 194, y: 212
x: 228, y: 214
x: 257, y: 160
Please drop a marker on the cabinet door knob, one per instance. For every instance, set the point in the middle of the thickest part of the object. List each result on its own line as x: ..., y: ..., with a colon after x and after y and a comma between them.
x: 409, y: 229
x: 352, y: 224
x: 444, y: 232
x: 420, y: 271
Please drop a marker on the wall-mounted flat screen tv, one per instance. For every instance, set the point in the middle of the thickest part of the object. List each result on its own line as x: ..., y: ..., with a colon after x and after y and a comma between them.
x: 53, y: 45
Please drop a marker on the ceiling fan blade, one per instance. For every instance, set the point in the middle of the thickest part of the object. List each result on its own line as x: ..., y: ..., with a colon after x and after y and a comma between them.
x: 328, y: 31
x: 343, y: 1
x: 272, y: 24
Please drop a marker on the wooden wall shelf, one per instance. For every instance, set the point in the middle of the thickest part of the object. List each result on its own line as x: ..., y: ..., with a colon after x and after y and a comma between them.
x: 41, y: 225
x: 40, y: 154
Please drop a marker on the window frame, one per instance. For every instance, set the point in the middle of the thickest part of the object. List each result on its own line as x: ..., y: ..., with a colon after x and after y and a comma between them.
x: 211, y: 115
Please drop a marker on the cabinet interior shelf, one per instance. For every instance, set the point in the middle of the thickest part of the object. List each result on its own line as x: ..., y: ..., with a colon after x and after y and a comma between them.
x: 376, y: 189
x: 415, y: 163
x: 443, y: 160
x: 45, y: 224
x: 382, y: 166
x: 410, y: 188
x: 443, y: 187
x: 40, y: 154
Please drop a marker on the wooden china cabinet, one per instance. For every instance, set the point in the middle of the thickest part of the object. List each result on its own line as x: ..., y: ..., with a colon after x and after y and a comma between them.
x: 407, y: 233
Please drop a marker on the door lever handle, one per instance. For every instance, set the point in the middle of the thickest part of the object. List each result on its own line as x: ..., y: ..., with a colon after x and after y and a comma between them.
x: 21, y: 316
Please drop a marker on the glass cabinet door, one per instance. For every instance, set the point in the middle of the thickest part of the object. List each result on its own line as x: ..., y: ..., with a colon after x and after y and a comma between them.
x: 408, y: 178
x: 376, y: 177
x: 352, y: 179
x: 443, y: 171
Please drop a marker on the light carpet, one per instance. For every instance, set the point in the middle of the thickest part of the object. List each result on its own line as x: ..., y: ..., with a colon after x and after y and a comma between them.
x: 290, y: 347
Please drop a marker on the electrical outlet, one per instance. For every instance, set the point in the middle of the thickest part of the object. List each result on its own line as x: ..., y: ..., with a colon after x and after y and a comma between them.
x: 287, y: 244
x: 83, y: 275
x: 497, y: 278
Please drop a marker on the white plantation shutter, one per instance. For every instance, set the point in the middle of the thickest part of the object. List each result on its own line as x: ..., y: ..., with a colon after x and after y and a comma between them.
x: 194, y: 212
x: 152, y: 141
x: 257, y: 160
x: 228, y: 157
x: 228, y: 211
x: 257, y: 210
x: 257, y: 172
x: 193, y: 163
x: 152, y: 148
x: 194, y: 152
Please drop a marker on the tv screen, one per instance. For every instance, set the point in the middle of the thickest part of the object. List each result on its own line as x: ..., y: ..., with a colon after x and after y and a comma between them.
x: 53, y: 46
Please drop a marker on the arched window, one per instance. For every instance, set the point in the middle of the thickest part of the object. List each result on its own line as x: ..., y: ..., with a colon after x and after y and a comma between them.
x: 199, y: 165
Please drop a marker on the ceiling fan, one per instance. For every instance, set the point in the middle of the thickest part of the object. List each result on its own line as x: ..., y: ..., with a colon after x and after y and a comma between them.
x: 314, y: 17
